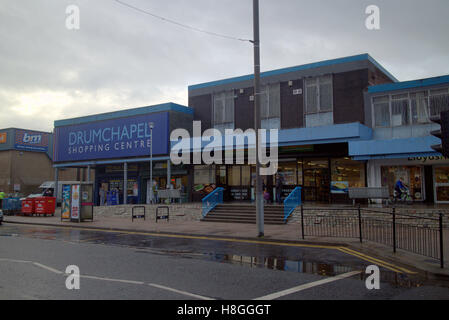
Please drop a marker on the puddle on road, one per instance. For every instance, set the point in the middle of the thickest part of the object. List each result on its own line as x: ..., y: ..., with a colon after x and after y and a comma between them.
x: 316, y: 268
x: 157, y: 246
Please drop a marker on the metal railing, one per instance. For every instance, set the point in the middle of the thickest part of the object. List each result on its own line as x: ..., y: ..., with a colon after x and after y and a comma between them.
x: 414, y: 233
x: 292, y: 202
x: 212, y: 200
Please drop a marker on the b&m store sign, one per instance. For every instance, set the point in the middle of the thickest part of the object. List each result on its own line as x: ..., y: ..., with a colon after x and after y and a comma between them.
x: 117, y: 138
x: 31, y: 140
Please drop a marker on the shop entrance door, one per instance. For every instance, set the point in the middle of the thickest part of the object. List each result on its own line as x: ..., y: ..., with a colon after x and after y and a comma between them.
x: 316, y: 185
x: 239, y: 181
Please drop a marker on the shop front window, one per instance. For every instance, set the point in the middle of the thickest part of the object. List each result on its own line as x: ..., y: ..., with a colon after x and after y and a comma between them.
x: 346, y: 173
x: 411, y: 177
x: 204, y: 179
x: 234, y: 176
x: 239, y: 176
x: 221, y: 175
x: 442, y: 184
x: 288, y: 171
x: 246, y: 175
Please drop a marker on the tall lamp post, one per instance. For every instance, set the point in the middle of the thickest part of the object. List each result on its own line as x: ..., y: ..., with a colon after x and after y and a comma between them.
x: 151, y: 162
x: 257, y: 123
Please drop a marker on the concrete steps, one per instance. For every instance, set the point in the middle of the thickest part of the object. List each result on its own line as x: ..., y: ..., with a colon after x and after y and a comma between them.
x: 242, y: 213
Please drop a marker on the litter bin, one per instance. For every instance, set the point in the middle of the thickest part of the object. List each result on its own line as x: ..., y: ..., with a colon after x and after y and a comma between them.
x: 28, y: 206
x: 45, y: 206
x: 11, y: 206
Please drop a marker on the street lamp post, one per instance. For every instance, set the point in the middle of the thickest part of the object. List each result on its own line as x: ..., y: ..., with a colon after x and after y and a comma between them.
x: 151, y: 162
x: 257, y: 124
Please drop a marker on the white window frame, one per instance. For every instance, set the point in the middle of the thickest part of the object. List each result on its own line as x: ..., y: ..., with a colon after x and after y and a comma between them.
x: 318, y: 80
x: 409, y: 93
x: 373, y: 113
x: 224, y: 99
x: 265, y: 90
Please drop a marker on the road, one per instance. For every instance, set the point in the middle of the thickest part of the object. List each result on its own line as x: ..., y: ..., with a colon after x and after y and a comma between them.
x: 120, y: 265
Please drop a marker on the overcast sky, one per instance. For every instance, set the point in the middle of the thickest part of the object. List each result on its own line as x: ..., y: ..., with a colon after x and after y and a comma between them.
x: 120, y: 58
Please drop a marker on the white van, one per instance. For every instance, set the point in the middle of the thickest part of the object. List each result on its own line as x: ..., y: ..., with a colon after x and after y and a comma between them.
x: 48, y: 189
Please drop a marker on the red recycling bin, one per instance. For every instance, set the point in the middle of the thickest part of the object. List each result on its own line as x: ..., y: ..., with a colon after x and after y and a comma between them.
x: 28, y: 206
x: 45, y: 205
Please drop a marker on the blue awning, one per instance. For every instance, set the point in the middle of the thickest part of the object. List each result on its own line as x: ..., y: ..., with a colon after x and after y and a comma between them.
x: 393, y: 148
x: 339, y: 133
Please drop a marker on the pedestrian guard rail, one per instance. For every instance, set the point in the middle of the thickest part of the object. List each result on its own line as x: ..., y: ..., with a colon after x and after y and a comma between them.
x: 212, y: 200
x: 292, y: 202
x: 414, y: 232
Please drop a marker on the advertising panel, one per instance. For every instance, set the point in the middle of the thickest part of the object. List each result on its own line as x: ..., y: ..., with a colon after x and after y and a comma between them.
x: 65, y: 211
x: 3, y: 136
x: 116, y: 138
x: 31, y: 140
x: 339, y: 186
x: 75, y: 206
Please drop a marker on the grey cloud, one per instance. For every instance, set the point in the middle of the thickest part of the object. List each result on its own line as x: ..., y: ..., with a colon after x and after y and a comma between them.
x: 122, y: 59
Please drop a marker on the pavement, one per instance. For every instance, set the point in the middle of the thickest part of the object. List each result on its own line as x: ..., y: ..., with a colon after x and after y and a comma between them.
x: 290, y: 232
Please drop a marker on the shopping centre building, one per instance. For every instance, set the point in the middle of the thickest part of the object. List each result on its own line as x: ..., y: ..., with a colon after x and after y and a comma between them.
x: 318, y: 109
x: 342, y: 123
x: 400, y: 146
x: 117, y: 146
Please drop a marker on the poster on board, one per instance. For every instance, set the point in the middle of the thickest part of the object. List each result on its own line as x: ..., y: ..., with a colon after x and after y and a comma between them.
x: 65, y: 210
x: 75, y: 207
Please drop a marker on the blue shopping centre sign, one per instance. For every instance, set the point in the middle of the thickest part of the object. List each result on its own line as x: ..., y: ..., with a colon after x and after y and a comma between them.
x: 117, y: 138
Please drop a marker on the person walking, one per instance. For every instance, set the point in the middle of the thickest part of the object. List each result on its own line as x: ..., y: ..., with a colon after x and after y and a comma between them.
x: 102, y: 194
x: 2, y: 196
x: 279, y: 185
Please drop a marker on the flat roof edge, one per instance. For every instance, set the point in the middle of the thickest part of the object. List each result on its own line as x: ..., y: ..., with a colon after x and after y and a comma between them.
x: 165, y: 107
x: 313, y: 65
x: 426, y: 82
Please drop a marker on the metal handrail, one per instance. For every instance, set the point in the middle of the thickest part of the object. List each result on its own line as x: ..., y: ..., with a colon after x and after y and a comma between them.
x: 292, y: 202
x: 212, y: 200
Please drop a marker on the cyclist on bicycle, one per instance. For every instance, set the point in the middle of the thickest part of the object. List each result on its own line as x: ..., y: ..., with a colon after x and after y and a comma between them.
x: 400, y: 188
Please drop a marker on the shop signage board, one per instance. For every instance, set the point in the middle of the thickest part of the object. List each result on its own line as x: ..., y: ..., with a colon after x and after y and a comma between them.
x: 3, y: 136
x: 428, y: 160
x: 31, y: 140
x: 115, y: 138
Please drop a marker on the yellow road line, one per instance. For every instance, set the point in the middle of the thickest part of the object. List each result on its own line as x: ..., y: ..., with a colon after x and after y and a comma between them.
x: 357, y: 254
x: 90, y: 239
x: 178, y: 236
x: 382, y: 263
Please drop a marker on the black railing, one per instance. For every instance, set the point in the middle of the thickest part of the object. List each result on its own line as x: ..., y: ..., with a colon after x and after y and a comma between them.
x: 415, y: 233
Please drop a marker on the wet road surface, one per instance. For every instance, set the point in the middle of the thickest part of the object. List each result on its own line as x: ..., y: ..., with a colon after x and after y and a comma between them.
x: 119, y: 265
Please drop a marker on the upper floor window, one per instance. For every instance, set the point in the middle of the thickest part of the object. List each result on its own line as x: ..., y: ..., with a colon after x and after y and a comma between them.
x: 381, y: 109
x: 409, y: 108
x: 400, y: 113
x: 319, y: 97
x: 270, y: 105
x: 419, y: 102
x: 438, y: 101
x: 224, y: 110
